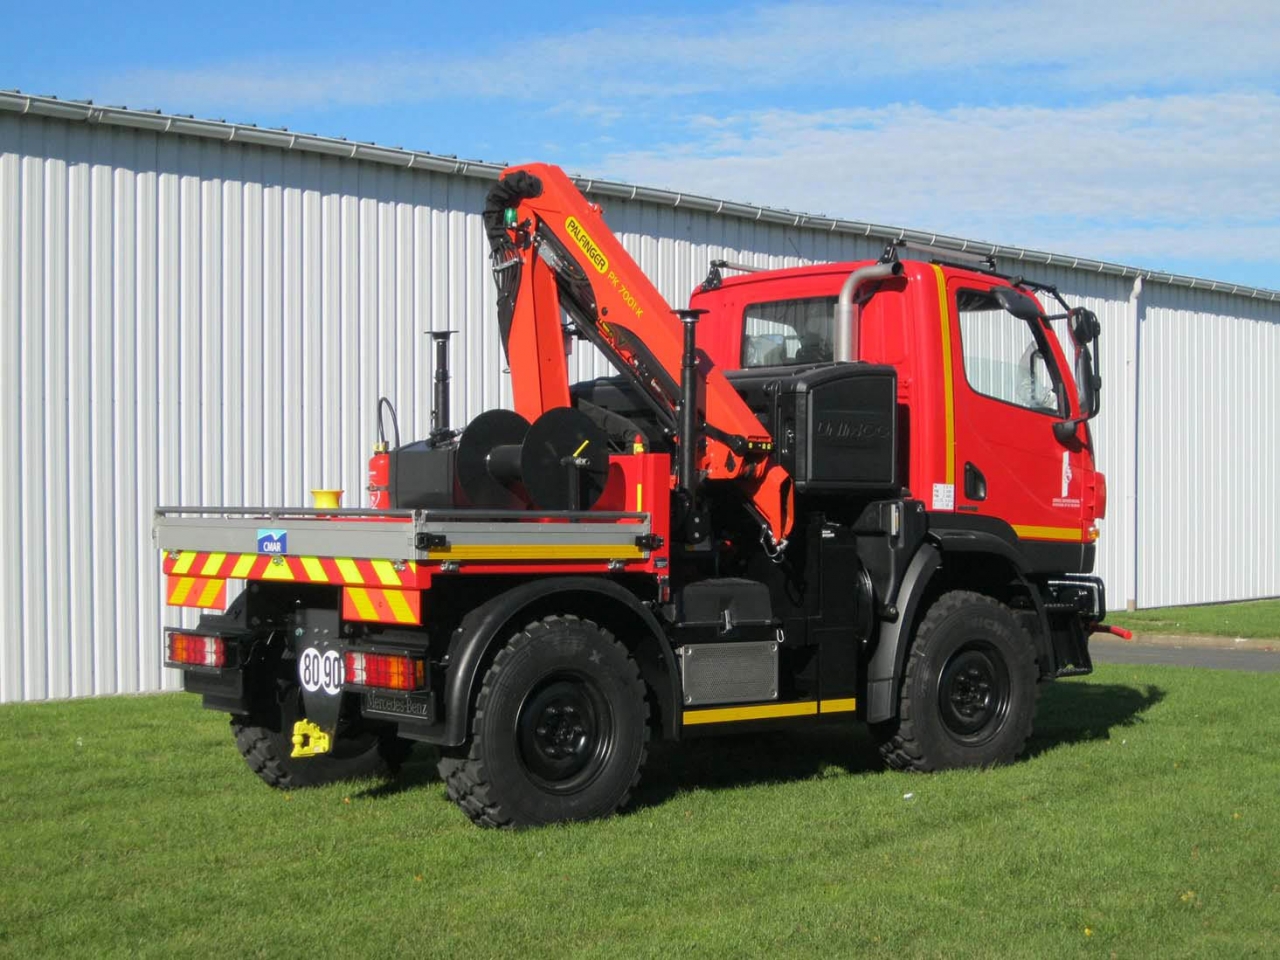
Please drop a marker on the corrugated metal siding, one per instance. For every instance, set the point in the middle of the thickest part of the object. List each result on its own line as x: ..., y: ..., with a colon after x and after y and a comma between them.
x: 187, y: 320
x: 1209, y: 442
x: 190, y: 321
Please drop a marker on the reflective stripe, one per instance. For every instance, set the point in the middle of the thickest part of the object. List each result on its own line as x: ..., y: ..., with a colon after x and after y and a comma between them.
x: 360, y: 600
x: 314, y: 569
x: 178, y: 595
x: 535, y: 551
x: 349, y: 571
x: 399, y: 606
x: 838, y: 706
x: 386, y: 572
x: 209, y: 595
x: 338, y: 570
x: 277, y: 571
x: 1072, y: 534
x: 948, y: 388
x: 766, y: 711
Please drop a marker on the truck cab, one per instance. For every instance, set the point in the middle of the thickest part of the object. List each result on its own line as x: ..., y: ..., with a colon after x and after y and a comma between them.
x: 982, y: 395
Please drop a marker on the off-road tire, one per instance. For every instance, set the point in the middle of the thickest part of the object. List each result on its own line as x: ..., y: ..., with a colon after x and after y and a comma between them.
x: 265, y: 740
x: 560, y: 730
x: 968, y: 694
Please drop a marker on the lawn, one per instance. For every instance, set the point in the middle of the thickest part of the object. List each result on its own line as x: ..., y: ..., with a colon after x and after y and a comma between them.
x: 1254, y: 619
x: 1142, y: 823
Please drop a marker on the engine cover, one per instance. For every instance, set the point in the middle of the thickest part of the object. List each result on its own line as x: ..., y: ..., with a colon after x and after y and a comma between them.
x: 834, y: 425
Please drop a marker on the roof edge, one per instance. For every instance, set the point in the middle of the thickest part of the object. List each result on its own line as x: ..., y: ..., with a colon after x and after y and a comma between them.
x: 157, y: 122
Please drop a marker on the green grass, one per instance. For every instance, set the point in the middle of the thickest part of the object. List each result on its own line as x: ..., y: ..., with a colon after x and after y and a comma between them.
x: 1255, y: 619
x: 1142, y: 823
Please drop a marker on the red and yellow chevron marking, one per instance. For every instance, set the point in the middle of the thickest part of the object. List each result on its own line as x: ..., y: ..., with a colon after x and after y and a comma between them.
x: 201, y: 592
x: 376, y: 605
x: 340, y: 571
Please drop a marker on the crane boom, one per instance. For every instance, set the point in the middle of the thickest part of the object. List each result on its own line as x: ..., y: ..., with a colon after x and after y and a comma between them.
x: 552, y: 250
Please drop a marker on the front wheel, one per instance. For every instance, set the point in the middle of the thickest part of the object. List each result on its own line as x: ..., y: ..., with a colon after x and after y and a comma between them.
x: 560, y: 729
x: 968, y: 696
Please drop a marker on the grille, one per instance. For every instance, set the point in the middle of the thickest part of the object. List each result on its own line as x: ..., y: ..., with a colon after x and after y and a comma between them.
x: 729, y: 672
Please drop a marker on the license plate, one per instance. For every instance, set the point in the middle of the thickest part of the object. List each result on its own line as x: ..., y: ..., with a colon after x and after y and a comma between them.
x: 320, y: 671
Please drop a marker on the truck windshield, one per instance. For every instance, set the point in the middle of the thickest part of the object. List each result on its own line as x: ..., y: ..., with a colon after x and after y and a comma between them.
x: 788, y: 332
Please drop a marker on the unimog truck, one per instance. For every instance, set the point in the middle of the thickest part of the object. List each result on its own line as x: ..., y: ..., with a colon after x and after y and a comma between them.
x: 848, y: 492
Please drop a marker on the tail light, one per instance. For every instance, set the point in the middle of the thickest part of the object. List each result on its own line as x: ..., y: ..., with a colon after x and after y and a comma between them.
x: 190, y: 650
x: 386, y: 671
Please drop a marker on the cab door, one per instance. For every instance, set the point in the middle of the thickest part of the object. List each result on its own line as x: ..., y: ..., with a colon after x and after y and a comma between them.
x: 1009, y: 390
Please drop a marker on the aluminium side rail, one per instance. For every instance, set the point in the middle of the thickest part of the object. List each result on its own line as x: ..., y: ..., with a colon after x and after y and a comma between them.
x: 421, y: 535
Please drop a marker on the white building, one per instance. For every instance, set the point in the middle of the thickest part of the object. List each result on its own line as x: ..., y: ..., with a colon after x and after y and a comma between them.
x: 201, y: 312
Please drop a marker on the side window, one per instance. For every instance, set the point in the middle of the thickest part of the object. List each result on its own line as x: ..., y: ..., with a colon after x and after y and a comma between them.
x: 788, y: 332
x: 1003, y: 357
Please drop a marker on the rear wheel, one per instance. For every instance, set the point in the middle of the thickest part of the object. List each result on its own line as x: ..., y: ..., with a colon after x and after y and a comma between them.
x: 969, y: 691
x: 265, y: 740
x: 560, y: 729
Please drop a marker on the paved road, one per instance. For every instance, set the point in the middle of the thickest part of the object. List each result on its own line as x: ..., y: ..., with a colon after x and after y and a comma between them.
x: 1119, y: 651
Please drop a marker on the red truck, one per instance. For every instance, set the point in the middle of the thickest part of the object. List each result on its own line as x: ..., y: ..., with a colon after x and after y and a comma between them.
x: 844, y: 492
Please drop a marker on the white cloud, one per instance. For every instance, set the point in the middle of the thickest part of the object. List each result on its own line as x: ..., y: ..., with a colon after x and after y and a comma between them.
x: 1172, y: 176
x: 1089, y: 45
x: 1117, y: 129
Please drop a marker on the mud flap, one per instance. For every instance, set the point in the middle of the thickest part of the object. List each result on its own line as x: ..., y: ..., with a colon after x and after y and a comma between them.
x: 320, y: 674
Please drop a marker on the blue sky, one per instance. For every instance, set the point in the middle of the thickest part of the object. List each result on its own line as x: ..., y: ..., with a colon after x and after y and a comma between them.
x: 1147, y: 133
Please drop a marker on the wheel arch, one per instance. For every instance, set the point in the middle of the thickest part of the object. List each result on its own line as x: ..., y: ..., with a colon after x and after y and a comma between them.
x: 979, y: 562
x: 611, y: 606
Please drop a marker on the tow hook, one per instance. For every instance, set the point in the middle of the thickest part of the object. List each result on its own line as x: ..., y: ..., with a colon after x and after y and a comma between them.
x: 309, y: 740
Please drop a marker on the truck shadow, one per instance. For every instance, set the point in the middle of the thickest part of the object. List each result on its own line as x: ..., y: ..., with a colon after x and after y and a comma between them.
x: 1079, y: 712
x: 1068, y: 713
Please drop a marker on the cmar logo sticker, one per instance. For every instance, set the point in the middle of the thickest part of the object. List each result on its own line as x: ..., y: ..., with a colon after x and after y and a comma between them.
x: 273, y: 542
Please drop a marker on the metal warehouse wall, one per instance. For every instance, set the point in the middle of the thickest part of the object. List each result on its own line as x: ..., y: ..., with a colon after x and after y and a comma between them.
x: 197, y: 322
x: 194, y: 319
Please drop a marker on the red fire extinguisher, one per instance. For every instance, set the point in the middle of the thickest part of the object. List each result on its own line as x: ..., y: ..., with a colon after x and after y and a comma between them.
x: 380, y: 477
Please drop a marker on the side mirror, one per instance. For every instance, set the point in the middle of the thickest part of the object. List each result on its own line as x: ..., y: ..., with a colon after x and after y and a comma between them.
x: 1017, y: 303
x: 1085, y: 327
x: 1085, y: 330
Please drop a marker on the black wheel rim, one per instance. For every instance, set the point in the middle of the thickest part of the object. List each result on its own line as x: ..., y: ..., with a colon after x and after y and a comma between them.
x: 564, y: 733
x: 974, y: 692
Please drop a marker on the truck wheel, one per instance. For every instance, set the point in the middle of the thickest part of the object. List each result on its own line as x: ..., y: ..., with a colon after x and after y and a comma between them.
x: 265, y: 740
x: 560, y: 730
x: 968, y: 697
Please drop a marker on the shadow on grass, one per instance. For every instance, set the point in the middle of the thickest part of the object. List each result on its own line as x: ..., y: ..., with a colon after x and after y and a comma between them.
x: 747, y: 759
x: 1079, y: 712
x: 1068, y: 713
x: 418, y: 771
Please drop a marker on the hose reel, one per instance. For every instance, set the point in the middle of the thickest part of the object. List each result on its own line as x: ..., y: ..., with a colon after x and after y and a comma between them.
x: 559, y: 462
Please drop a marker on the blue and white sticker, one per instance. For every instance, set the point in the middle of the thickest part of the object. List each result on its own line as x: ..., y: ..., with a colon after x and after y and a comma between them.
x: 274, y: 542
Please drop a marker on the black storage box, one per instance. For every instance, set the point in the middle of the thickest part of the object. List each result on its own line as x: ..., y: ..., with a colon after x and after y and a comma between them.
x: 423, y: 476
x: 834, y: 425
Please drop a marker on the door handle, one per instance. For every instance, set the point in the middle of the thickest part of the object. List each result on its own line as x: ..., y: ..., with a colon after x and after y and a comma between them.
x: 975, y: 484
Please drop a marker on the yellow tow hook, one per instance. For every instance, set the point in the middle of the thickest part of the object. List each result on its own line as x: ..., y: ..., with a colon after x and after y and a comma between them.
x: 309, y: 740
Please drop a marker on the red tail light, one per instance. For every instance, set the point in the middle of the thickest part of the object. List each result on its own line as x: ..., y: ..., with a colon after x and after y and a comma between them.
x: 387, y: 671
x: 189, y: 650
